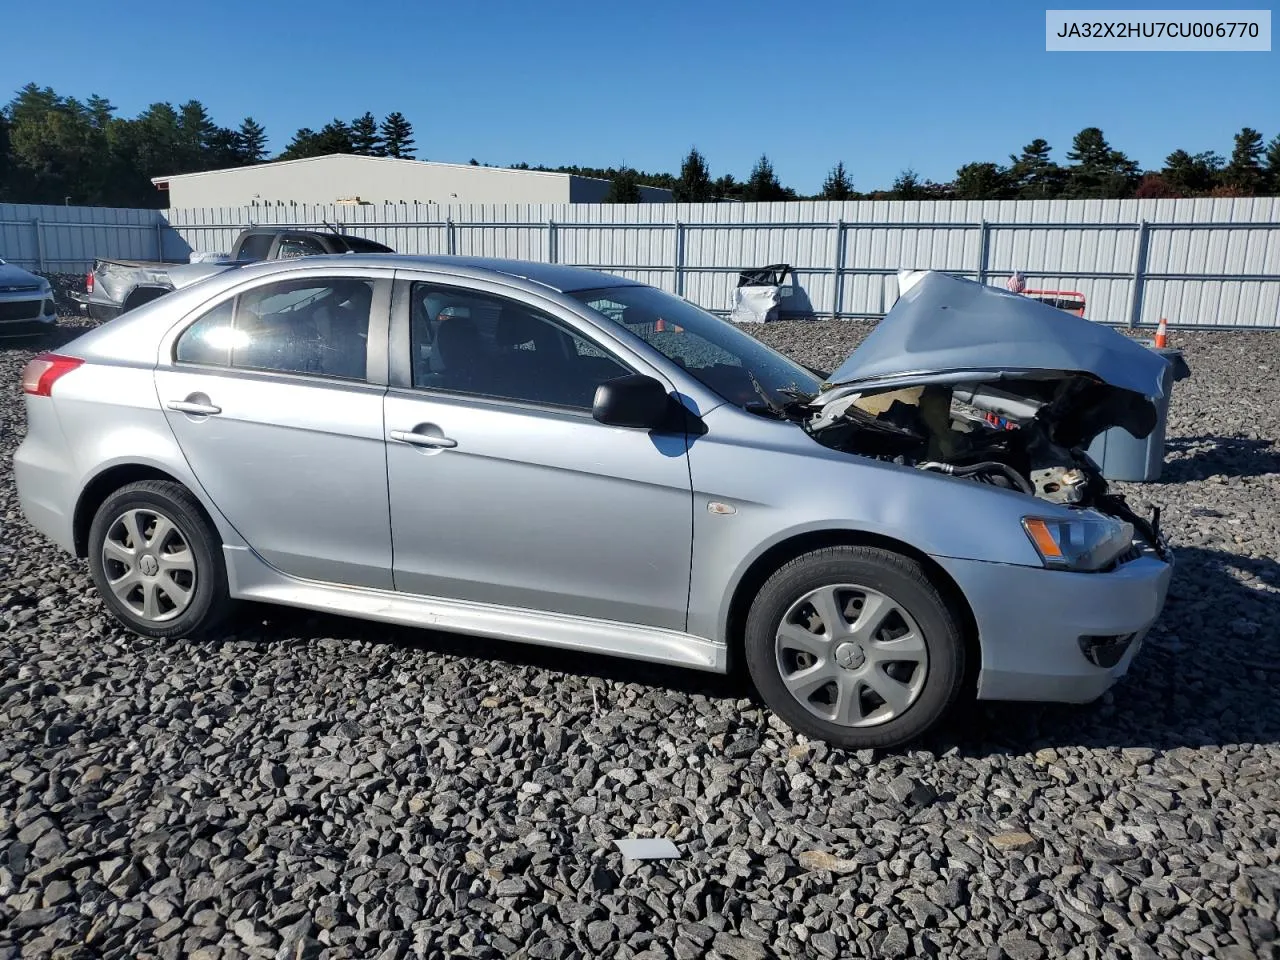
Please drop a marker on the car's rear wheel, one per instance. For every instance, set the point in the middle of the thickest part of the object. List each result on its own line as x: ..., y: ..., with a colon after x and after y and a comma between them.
x: 157, y: 561
x: 855, y: 646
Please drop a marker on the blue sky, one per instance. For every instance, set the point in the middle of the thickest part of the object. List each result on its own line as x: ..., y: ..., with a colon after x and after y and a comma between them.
x: 881, y: 86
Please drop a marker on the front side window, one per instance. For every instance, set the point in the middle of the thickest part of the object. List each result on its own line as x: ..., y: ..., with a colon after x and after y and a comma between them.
x: 732, y: 363
x: 317, y: 326
x: 472, y: 343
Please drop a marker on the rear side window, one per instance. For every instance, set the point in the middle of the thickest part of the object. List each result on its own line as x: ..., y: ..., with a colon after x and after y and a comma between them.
x: 256, y: 246
x: 317, y: 326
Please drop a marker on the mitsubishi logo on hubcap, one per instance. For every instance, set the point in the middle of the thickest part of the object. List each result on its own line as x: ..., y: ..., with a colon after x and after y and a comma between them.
x: 850, y: 656
x: 149, y: 565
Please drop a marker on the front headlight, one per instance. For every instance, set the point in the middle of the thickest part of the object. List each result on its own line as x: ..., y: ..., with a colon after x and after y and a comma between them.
x: 1081, y: 543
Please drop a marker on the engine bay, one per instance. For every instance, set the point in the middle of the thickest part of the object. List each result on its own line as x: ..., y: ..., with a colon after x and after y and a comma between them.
x: 1023, y: 435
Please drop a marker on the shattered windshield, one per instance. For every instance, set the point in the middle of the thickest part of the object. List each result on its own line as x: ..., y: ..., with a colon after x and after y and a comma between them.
x: 732, y: 363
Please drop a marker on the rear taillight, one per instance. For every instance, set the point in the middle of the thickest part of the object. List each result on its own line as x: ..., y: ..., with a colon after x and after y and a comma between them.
x: 42, y: 372
x: 88, y: 282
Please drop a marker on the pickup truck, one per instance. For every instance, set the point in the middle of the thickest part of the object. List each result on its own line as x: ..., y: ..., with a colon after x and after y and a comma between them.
x: 113, y: 287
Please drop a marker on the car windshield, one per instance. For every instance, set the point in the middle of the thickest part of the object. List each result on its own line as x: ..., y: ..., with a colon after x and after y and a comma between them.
x: 727, y: 360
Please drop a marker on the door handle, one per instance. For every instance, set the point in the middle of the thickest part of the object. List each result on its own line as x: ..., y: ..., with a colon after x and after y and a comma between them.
x: 423, y: 439
x: 195, y: 407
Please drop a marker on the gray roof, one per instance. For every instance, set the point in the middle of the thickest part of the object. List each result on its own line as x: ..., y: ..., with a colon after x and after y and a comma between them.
x: 552, y: 275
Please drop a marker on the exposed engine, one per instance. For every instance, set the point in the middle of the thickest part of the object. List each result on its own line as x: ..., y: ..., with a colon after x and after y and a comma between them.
x: 1027, y: 436
x: 989, y: 435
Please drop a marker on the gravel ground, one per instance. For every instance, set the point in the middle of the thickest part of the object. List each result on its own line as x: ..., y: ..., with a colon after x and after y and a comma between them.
x: 310, y: 786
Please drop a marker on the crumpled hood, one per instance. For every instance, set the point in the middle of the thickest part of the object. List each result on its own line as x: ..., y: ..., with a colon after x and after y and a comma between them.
x: 943, y: 325
x: 11, y: 276
x: 944, y: 329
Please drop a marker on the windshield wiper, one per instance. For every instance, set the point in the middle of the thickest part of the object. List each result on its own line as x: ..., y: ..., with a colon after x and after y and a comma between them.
x: 771, y: 405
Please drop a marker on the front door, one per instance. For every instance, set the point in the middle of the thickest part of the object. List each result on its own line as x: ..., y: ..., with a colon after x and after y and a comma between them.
x: 268, y: 397
x: 504, y: 490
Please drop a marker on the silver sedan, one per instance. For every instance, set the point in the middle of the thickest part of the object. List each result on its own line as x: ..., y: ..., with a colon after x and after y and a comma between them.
x: 557, y: 456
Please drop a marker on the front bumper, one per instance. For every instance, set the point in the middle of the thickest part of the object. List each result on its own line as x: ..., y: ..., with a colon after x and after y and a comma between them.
x: 26, y: 313
x: 1031, y: 621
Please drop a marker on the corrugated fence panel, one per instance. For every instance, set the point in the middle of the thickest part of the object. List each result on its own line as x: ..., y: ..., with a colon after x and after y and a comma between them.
x: 1211, y: 262
x: 65, y: 239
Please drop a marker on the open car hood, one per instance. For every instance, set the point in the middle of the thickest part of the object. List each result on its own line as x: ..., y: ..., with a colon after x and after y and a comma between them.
x: 946, y: 330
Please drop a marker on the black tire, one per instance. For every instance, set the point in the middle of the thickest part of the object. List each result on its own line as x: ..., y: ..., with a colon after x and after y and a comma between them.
x: 899, y: 579
x: 209, y: 602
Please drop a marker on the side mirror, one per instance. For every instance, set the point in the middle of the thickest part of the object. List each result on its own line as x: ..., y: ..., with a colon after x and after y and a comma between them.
x: 632, y: 401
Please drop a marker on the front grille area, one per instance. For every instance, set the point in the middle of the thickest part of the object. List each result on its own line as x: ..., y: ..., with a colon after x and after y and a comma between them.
x: 19, y: 309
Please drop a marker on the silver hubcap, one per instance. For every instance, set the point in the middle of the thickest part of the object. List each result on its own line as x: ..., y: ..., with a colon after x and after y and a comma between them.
x: 851, y: 655
x: 149, y: 565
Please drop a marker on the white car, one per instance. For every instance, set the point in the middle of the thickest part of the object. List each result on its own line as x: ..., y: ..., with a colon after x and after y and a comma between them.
x: 26, y: 302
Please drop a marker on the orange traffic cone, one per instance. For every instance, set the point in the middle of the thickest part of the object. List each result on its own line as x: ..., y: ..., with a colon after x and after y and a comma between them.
x: 1162, y: 333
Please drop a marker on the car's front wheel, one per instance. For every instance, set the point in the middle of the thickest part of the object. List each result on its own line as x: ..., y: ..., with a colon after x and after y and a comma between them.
x: 855, y: 645
x: 157, y: 560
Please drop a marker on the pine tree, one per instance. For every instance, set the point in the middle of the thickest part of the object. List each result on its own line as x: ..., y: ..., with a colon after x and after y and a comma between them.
x: 838, y: 185
x: 364, y: 136
x: 982, y: 181
x: 1191, y: 175
x: 1033, y: 175
x: 301, y: 146
x: 252, y: 141
x: 1099, y: 170
x: 694, y: 184
x: 195, y: 131
x: 907, y: 186
x: 763, y: 186
x: 623, y: 188
x: 1244, y: 172
x: 397, y: 136
x: 1273, y: 166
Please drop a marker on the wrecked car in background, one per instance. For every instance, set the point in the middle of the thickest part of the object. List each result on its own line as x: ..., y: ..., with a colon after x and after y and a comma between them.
x: 558, y: 456
x: 114, y: 287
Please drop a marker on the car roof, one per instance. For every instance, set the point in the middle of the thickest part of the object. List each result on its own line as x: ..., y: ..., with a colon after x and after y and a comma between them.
x: 555, y: 276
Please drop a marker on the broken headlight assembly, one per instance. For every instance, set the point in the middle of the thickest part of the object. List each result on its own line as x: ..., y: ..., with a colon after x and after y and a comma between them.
x: 1084, y: 544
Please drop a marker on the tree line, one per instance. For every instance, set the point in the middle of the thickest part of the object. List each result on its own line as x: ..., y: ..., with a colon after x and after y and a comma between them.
x: 56, y: 149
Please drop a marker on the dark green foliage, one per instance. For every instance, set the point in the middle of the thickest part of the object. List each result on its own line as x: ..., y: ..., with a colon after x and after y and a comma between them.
x: 1033, y: 175
x: 624, y: 188
x: 838, y: 185
x: 1245, y: 172
x: 397, y: 136
x: 1273, y: 165
x: 907, y: 186
x: 253, y: 141
x: 1099, y: 171
x: 763, y: 186
x: 694, y: 183
x: 982, y: 181
x: 1191, y: 175
x: 365, y: 139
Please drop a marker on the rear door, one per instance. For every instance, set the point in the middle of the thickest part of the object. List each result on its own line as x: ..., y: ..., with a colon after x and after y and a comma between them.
x: 274, y: 400
x: 503, y: 489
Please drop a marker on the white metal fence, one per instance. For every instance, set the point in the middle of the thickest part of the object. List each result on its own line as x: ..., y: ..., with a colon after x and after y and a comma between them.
x: 1200, y: 263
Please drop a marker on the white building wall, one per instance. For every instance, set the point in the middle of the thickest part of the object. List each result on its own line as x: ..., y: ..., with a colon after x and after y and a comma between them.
x: 375, y: 180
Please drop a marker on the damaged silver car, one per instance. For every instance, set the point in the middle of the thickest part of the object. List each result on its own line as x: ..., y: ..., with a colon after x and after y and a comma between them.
x: 558, y: 456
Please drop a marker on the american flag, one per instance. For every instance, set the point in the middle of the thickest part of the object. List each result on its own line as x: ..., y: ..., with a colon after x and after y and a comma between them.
x: 1017, y: 283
